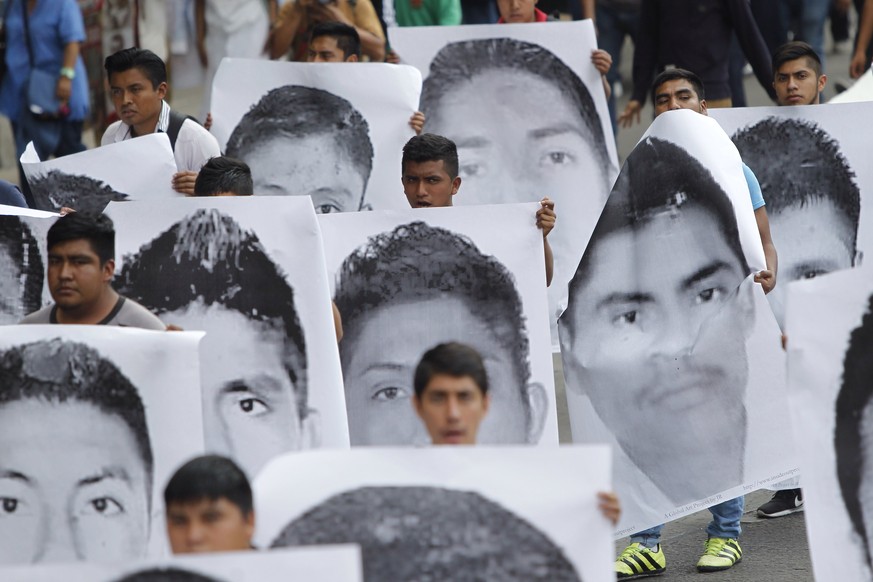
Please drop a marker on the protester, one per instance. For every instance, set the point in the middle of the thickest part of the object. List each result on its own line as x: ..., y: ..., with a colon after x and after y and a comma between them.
x: 797, y: 75
x: 44, y: 91
x: 430, y: 179
x: 230, y: 28
x: 616, y: 20
x: 224, y: 176
x: 696, y: 40
x: 864, y: 42
x: 138, y: 85
x: 452, y: 399
x: 81, y: 265
x: 297, y: 17
x: 680, y: 89
x: 209, y: 507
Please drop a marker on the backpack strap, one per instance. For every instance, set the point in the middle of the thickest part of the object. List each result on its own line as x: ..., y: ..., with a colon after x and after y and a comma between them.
x: 176, y: 121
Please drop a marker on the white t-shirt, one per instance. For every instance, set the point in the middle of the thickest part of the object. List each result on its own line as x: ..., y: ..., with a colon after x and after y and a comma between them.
x: 230, y: 15
x: 194, y: 145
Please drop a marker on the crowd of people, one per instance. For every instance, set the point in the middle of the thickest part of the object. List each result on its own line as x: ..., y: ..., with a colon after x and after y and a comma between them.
x: 683, y: 59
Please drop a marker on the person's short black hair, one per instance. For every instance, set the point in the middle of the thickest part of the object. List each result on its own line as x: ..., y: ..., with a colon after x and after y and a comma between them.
x: 794, y: 50
x: 96, y: 229
x: 435, y: 534
x: 797, y: 163
x: 167, y: 574
x: 296, y: 112
x: 853, y: 433
x: 58, y: 371
x: 429, y: 147
x: 222, y: 174
x: 347, y: 38
x: 145, y: 60
x: 659, y: 176
x: 208, y: 257
x: 17, y: 241
x: 417, y: 262
x: 450, y: 359
x: 458, y: 62
x: 209, y: 477
x: 55, y: 190
x: 675, y: 74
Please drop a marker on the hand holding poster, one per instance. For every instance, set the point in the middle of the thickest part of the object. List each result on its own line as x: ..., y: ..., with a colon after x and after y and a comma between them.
x: 446, y: 513
x: 333, y: 131
x: 669, y: 348
x: 89, y: 180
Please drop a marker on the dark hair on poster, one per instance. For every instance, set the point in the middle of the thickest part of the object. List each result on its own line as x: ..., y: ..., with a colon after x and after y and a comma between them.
x: 458, y: 62
x: 207, y: 257
x: 56, y: 189
x: 416, y: 262
x: 60, y: 371
x: 660, y: 176
x: 852, y: 432
x: 18, y: 242
x: 431, y: 533
x: 167, y: 574
x: 797, y: 163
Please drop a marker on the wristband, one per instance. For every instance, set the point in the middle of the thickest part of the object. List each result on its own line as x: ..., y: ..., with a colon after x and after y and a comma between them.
x: 68, y: 72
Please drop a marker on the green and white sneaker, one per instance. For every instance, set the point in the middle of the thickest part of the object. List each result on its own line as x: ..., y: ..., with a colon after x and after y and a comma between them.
x: 638, y: 561
x: 720, y: 554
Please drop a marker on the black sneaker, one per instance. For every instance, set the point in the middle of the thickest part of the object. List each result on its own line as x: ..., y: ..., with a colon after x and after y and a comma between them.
x: 784, y: 502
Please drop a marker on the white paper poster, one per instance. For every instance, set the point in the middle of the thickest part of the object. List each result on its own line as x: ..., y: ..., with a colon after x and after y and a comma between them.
x: 815, y: 173
x: 407, y: 280
x: 446, y: 513
x: 134, y: 169
x: 669, y: 349
x: 93, y: 422
x: 528, y: 113
x: 250, y: 272
x: 334, y: 131
x: 334, y: 563
x: 830, y: 341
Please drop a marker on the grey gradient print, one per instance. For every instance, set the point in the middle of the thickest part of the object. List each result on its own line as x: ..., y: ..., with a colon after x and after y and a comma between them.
x: 431, y: 533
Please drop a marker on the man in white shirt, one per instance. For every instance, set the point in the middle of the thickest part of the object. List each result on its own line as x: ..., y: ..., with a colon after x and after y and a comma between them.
x: 138, y: 85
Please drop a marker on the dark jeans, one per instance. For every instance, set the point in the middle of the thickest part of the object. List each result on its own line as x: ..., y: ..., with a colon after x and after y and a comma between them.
x: 613, y: 26
x: 479, y: 11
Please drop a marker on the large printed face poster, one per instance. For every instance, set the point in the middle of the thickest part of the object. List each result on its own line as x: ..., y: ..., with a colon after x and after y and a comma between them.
x: 528, y: 113
x: 333, y: 131
x: 446, y: 513
x: 405, y: 281
x: 815, y: 173
x: 93, y: 422
x: 669, y: 348
x: 134, y: 169
x: 830, y: 341
x: 315, y: 564
x: 250, y: 273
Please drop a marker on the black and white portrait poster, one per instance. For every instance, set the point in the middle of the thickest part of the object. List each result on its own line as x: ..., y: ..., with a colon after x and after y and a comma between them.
x: 311, y: 564
x: 446, y: 513
x: 328, y: 130
x: 814, y: 167
x: 133, y: 169
x: 528, y: 113
x: 830, y: 341
x: 22, y: 264
x: 250, y: 273
x: 669, y: 348
x: 93, y: 422
x: 407, y: 280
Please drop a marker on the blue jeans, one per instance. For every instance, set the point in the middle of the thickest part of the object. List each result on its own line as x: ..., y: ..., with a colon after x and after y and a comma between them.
x: 725, y: 524
x: 612, y: 27
x: 808, y: 19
